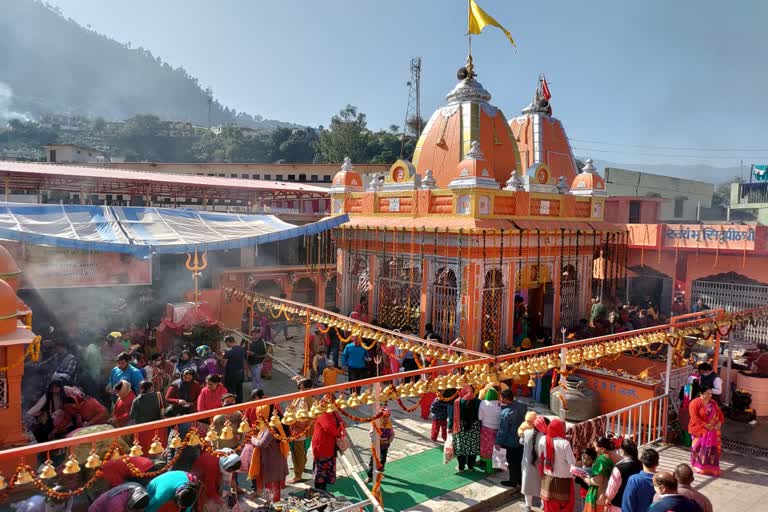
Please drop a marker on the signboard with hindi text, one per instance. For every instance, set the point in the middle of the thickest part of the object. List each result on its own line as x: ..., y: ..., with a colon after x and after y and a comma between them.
x: 52, y: 267
x: 710, y: 236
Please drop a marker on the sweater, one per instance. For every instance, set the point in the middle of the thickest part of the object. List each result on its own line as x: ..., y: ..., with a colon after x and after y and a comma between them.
x: 353, y: 356
x: 511, y: 417
x: 327, y: 430
x: 638, y: 495
x: 210, y: 399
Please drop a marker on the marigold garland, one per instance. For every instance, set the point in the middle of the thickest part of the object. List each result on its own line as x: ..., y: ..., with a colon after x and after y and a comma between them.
x: 342, y: 338
x: 321, y: 331
x: 32, y: 350
x: 450, y: 398
x: 368, y: 347
x: 291, y: 438
x: 360, y: 419
x: 273, y: 315
x: 61, y: 496
x: 407, y: 409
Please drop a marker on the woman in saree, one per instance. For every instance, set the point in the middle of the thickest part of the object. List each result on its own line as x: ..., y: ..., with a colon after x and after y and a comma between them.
x: 704, y: 427
x: 595, y: 500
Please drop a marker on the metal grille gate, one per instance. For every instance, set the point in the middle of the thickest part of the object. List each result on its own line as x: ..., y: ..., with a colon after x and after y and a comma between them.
x: 399, y: 294
x: 569, y: 304
x: 444, y: 300
x: 493, y: 310
x: 732, y: 297
x: 360, y: 281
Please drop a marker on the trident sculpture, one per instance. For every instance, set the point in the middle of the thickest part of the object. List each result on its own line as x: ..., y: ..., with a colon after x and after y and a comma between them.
x: 196, y: 268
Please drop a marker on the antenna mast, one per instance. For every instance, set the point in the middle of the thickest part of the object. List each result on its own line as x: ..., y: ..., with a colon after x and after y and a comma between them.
x: 412, y: 126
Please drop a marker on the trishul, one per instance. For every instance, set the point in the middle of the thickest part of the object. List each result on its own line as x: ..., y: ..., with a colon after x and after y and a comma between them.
x: 196, y: 268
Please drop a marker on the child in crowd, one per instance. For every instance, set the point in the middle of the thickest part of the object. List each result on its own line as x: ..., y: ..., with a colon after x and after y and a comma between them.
x: 266, y: 368
x: 319, y: 364
x: 588, y: 456
x: 386, y: 436
x: 331, y: 373
x: 439, y: 410
x: 530, y: 417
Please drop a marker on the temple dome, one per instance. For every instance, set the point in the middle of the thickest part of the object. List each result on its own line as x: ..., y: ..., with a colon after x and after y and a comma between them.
x: 589, y: 181
x: 8, y: 309
x: 449, y: 134
x: 347, y: 179
x: 9, y: 270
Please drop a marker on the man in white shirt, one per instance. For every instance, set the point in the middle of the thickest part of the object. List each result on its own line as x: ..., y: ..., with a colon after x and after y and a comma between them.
x: 708, y: 378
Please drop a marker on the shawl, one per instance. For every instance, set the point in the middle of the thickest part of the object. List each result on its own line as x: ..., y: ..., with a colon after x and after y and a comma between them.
x: 254, y: 470
x: 540, y: 424
x: 556, y: 429
x: 467, y: 393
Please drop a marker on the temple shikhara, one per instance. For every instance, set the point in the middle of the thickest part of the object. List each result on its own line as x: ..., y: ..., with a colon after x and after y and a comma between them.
x: 491, y: 221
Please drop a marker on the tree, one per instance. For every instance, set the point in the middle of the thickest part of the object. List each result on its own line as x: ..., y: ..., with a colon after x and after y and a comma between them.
x: 346, y: 136
x: 722, y: 195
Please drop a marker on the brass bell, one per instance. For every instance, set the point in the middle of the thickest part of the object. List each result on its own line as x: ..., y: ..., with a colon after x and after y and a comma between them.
x: 156, y: 448
x: 289, y: 418
x: 226, y: 432
x: 116, y: 455
x: 136, y: 450
x: 274, y: 421
x: 93, y: 461
x: 3, y: 483
x: 71, y: 466
x: 302, y: 414
x: 315, y: 410
x: 341, y: 403
x: 354, y: 401
x: 531, y: 382
x: 175, y: 441
x: 330, y: 407
x: 48, y: 471
x: 244, y: 427
x: 194, y: 438
x: 23, y: 477
x: 210, y: 436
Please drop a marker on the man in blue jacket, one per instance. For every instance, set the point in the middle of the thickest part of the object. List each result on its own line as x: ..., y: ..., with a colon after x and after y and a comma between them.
x: 125, y: 371
x: 638, y: 495
x: 669, y: 500
x: 511, y: 417
x: 353, y: 358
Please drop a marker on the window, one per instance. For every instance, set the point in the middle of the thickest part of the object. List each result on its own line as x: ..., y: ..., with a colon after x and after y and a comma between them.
x: 679, y: 202
x: 634, y: 212
x: 244, y: 175
x: 302, y: 178
x: 222, y: 175
x: 327, y: 178
x: 211, y: 174
x: 52, y: 156
x: 267, y: 176
x: 291, y: 177
x: 279, y: 177
x: 255, y: 176
x: 233, y: 175
x: 314, y: 177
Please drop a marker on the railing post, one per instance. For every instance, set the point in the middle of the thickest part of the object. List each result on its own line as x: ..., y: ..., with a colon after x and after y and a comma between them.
x: 563, y: 368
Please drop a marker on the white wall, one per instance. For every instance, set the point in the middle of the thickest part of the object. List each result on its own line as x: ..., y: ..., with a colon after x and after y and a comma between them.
x: 623, y: 182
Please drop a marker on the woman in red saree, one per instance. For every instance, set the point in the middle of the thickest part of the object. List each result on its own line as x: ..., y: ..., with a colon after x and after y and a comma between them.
x: 704, y: 427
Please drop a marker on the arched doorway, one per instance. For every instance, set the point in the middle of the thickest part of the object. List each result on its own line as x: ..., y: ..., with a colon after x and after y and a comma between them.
x: 569, y: 296
x: 330, y: 293
x: 492, y: 314
x: 305, y: 291
x: 359, y: 283
x: 399, y: 294
x: 444, y: 317
x: 733, y: 292
x: 268, y: 287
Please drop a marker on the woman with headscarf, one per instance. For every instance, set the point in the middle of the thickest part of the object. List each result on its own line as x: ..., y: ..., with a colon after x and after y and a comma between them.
x: 185, y: 362
x: 531, y: 481
x: 184, y: 391
x: 328, y: 429
x: 121, y: 412
x: 557, y: 480
x: 488, y: 414
x: 465, y: 425
x: 268, y: 465
x: 208, y: 363
x: 148, y: 406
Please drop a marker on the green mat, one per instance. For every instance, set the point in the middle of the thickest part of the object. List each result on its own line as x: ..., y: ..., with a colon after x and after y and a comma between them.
x: 412, y: 480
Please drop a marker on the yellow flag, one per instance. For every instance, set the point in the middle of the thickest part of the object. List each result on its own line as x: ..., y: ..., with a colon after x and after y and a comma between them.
x: 479, y: 19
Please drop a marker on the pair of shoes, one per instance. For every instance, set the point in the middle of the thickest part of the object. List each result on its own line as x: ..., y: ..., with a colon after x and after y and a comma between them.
x: 295, y: 480
x: 508, y: 483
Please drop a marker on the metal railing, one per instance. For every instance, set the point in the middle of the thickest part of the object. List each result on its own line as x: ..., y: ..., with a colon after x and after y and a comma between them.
x: 645, y: 422
x: 753, y: 193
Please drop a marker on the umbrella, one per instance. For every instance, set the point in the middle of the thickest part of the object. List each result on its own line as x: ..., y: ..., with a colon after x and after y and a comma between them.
x: 82, y: 451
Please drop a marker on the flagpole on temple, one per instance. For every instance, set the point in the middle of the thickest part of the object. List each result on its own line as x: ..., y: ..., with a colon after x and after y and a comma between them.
x: 470, y: 66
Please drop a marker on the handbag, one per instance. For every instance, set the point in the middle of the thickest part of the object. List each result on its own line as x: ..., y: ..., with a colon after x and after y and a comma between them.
x: 448, y: 452
x: 499, y: 458
x: 342, y: 443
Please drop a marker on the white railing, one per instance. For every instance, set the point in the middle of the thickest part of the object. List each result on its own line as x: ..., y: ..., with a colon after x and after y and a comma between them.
x: 645, y: 422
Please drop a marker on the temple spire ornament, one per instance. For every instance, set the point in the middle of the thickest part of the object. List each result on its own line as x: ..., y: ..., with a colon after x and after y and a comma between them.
x: 196, y: 267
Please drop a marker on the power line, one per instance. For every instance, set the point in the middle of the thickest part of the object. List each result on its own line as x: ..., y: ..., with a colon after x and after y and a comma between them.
x: 641, y: 153
x: 669, y: 147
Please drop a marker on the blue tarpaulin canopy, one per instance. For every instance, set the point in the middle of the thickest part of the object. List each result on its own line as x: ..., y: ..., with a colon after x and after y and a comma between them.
x: 142, y: 232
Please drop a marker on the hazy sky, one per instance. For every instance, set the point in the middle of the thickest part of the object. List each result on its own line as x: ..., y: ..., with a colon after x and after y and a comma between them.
x: 680, y: 73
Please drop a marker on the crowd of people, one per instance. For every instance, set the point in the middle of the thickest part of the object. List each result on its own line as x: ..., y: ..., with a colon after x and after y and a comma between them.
x: 609, y: 476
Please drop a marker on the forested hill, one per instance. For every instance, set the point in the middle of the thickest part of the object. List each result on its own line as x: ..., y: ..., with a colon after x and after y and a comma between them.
x: 53, y: 64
